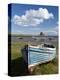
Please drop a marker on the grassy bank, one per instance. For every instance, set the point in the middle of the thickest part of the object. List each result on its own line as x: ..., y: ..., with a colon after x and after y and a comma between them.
x: 18, y: 68
x: 16, y: 49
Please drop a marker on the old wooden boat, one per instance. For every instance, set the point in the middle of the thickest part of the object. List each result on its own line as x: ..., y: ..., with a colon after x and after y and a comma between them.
x: 34, y: 55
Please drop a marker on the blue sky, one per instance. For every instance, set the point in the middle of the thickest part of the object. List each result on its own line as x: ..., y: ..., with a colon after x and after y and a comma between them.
x: 33, y: 19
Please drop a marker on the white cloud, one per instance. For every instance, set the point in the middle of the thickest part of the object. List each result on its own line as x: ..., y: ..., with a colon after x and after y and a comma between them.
x: 33, y: 17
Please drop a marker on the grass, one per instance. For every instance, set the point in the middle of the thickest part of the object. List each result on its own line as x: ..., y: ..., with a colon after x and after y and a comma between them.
x: 47, y: 68
x: 16, y: 49
x: 18, y: 66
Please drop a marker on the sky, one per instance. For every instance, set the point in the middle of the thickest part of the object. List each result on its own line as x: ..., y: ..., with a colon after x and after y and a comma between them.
x: 33, y: 19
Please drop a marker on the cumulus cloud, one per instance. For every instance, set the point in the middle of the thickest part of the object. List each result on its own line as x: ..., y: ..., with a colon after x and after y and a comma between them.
x: 33, y: 17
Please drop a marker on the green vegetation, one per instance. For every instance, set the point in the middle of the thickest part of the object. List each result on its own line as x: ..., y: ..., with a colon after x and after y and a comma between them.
x: 21, y: 35
x: 18, y: 68
x: 16, y: 49
x: 47, y: 68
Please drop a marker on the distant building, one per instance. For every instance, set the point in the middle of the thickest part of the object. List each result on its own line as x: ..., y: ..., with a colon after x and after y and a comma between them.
x: 42, y: 34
